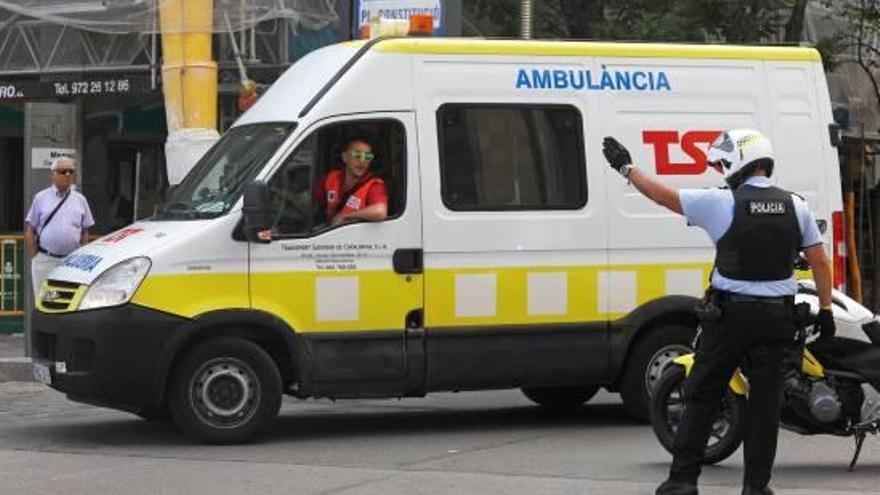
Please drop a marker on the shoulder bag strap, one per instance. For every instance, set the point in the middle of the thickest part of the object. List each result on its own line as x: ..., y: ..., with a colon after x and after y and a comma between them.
x: 52, y: 215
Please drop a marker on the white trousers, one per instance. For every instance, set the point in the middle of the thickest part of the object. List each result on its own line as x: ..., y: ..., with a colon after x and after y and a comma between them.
x: 41, y: 265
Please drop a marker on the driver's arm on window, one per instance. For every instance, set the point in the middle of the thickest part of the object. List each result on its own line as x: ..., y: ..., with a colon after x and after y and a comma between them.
x: 372, y: 213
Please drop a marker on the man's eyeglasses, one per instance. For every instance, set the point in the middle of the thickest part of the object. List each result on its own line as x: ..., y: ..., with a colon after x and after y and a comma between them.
x: 361, y: 156
x: 65, y: 171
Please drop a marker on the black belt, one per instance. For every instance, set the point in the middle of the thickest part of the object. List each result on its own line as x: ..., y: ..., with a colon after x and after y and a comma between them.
x: 745, y: 298
x: 47, y: 253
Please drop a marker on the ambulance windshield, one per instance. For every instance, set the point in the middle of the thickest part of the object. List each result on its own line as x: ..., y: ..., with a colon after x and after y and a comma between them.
x: 216, y: 181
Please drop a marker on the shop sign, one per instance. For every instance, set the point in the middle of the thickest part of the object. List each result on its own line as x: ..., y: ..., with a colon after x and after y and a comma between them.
x: 9, y: 91
x: 398, y: 9
x: 43, y: 157
x: 108, y: 85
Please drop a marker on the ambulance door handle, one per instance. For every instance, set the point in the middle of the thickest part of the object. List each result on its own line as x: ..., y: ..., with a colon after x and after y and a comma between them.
x: 407, y: 261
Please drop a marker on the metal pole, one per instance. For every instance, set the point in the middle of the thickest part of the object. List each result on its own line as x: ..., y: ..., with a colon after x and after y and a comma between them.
x: 253, y: 34
x: 242, y: 37
x: 154, y: 52
x: 526, y: 20
x: 137, y: 187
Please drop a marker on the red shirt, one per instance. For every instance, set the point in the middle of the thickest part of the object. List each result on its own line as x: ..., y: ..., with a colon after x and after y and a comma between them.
x: 376, y: 194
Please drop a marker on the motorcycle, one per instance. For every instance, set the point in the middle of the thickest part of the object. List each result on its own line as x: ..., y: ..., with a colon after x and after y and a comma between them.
x: 830, y: 386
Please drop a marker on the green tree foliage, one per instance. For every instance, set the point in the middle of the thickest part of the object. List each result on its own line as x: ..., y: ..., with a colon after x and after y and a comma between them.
x: 734, y: 21
x: 858, y: 41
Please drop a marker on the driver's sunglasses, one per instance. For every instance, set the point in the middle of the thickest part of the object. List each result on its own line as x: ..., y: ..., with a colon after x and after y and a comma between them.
x: 361, y: 156
x: 65, y: 171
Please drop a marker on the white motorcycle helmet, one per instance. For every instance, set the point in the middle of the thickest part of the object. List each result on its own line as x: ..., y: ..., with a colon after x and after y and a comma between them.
x: 735, y: 150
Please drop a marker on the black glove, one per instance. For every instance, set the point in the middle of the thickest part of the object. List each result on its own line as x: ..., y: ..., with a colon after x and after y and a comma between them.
x: 617, y: 155
x: 825, y: 324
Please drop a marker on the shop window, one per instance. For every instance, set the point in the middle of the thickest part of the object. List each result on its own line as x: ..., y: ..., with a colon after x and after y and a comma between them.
x: 511, y: 157
x: 309, y: 190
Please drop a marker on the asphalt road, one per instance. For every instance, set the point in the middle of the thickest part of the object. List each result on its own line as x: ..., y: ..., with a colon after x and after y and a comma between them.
x: 470, y: 443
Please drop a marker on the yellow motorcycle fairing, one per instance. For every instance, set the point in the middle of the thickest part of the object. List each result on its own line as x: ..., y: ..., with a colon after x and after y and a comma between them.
x: 738, y: 383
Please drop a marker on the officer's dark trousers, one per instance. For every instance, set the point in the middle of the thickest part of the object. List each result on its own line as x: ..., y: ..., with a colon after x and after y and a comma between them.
x: 753, y: 335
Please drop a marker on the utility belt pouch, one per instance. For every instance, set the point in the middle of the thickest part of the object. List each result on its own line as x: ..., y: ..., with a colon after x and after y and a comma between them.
x: 803, y: 317
x: 709, y: 308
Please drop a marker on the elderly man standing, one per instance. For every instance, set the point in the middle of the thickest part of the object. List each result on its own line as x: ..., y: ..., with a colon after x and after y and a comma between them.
x: 57, y: 223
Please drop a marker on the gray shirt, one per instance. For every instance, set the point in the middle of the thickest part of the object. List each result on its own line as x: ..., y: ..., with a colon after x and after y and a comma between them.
x: 63, y: 234
x: 712, y: 211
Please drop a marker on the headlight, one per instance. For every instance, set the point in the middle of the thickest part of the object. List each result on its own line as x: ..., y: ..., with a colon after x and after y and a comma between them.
x: 116, y: 285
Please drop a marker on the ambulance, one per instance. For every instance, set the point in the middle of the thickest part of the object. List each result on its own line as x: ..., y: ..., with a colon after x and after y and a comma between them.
x: 512, y: 255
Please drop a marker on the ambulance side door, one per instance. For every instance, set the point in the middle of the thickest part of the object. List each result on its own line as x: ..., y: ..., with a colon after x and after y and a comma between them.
x: 349, y: 291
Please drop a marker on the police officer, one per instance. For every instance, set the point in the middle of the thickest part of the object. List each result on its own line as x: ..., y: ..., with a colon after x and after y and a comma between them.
x: 758, y: 230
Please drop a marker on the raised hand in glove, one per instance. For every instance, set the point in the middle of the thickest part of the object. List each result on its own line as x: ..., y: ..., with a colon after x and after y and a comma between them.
x: 617, y: 155
x: 825, y: 324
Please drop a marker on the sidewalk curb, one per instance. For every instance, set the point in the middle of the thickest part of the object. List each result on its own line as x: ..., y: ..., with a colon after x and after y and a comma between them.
x: 17, y: 369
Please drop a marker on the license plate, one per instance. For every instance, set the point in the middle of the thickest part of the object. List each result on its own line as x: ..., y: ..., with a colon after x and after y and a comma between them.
x: 42, y: 373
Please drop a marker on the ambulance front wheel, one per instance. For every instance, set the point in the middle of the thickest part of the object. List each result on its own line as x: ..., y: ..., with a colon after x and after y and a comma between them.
x: 225, y: 390
x: 561, y: 398
x: 651, y: 355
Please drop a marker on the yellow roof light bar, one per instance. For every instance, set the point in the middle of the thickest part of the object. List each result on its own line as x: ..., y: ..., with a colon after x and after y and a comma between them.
x: 476, y: 46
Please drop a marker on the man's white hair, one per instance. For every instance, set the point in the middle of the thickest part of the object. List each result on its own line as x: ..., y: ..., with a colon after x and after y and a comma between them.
x: 60, y: 160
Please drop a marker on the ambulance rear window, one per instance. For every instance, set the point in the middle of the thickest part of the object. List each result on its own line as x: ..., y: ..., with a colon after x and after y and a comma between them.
x: 511, y: 157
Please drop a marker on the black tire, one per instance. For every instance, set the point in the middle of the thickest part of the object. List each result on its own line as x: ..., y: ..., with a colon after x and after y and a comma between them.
x: 652, y: 354
x: 666, y: 409
x: 561, y: 398
x: 225, y: 390
x: 158, y: 414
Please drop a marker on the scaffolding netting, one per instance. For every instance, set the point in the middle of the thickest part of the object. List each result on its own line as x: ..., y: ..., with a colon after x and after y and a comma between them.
x: 140, y: 16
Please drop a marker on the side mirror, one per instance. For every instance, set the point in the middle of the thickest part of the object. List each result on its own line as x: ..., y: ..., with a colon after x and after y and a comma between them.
x: 257, y: 212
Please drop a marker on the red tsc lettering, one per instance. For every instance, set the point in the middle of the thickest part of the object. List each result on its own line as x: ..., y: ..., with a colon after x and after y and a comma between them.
x: 661, y: 140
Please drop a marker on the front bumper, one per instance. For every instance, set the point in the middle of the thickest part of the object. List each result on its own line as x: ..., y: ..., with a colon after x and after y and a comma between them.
x: 116, y: 357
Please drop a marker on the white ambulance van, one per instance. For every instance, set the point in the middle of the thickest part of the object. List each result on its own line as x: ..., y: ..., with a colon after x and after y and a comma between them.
x: 512, y: 255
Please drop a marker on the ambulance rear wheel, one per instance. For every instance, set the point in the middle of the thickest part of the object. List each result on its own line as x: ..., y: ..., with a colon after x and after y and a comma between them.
x: 650, y: 357
x: 225, y: 390
x: 561, y: 398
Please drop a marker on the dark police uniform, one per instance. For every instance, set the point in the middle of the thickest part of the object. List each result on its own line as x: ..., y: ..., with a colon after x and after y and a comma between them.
x: 758, y: 230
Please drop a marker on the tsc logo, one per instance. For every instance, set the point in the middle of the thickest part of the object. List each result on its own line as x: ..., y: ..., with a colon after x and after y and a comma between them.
x: 692, y: 143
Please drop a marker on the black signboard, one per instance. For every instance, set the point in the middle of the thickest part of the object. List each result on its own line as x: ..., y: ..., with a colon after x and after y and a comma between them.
x: 76, y: 86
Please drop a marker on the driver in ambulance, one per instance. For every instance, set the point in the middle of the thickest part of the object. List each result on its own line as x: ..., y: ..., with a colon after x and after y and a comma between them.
x: 353, y: 193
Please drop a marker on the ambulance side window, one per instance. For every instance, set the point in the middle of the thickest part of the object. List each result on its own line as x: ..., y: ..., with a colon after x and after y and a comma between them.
x: 511, y: 157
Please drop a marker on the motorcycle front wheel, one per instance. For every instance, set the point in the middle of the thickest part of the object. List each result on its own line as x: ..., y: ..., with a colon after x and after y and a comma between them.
x: 667, y: 407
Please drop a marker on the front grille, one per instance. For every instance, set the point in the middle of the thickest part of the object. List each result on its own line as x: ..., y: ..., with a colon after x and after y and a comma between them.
x: 59, y: 297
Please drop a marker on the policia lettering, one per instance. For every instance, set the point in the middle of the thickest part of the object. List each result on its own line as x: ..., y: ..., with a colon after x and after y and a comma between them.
x: 766, y: 207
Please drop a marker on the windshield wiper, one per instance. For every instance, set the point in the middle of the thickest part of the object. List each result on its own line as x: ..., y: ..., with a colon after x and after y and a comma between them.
x: 178, y: 207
